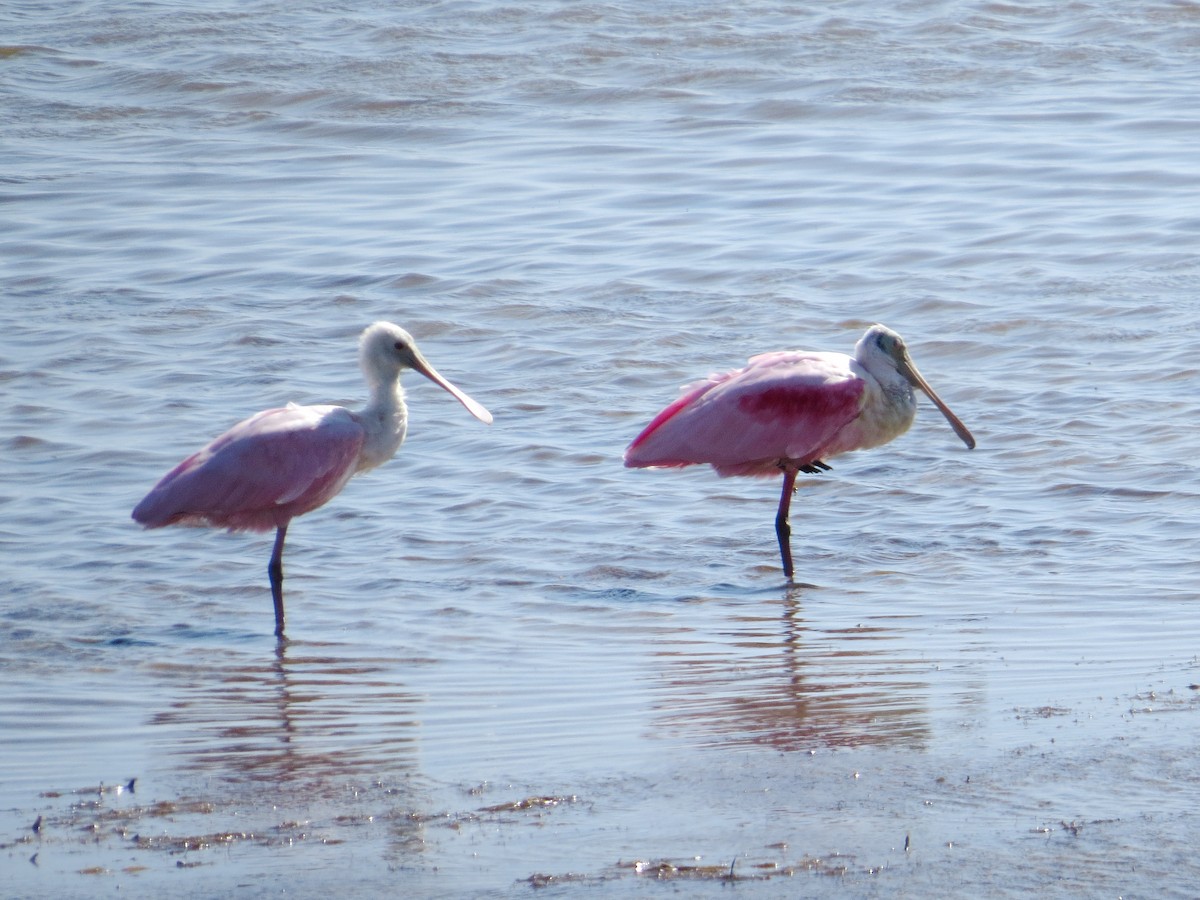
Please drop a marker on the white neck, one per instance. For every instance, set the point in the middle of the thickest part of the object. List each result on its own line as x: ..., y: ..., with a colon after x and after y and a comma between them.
x: 385, y: 419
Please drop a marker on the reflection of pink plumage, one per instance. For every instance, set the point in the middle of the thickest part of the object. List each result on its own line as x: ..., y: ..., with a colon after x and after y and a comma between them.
x: 789, y: 411
x: 282, y: 463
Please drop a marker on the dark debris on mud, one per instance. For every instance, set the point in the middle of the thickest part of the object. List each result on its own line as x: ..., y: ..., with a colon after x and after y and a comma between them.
x: 736, y: 871
x: 98, y: 816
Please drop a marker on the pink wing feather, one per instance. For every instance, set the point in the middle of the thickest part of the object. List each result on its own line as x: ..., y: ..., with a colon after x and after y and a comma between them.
x: 782, y: 406
x: 262, y: 472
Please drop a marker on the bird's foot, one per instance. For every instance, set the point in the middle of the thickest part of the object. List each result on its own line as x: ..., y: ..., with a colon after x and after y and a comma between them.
x: 816, y: 467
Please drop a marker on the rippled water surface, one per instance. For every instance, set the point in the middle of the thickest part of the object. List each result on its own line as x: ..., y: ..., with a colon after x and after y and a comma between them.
x: 512, y: 662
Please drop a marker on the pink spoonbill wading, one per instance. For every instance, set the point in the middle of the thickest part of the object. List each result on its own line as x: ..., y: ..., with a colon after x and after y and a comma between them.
x: 788, y: 412
x: 282, y: 463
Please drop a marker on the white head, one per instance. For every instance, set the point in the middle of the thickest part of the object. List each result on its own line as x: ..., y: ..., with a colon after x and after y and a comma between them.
x: 881, y: 350
x: 384, y: 350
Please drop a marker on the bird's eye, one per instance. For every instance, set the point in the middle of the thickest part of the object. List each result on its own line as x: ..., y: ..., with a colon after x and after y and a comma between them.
x: 401, y: 346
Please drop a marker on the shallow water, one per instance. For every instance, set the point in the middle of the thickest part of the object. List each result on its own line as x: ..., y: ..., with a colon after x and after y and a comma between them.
x: 511, y: 661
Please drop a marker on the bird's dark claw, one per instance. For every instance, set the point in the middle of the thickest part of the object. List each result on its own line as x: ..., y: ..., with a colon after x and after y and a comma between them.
x: 816, y: 467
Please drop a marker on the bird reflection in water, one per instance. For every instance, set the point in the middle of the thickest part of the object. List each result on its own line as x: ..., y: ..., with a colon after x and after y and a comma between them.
x: 313, y: 712
x: 786, y: 682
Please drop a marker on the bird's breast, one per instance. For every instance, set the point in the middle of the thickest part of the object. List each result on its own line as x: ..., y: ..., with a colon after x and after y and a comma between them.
x: 888, y: 412
x: 385, y: 431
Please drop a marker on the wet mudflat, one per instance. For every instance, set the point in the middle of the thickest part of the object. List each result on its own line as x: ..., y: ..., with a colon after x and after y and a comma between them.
x: 845, y: 759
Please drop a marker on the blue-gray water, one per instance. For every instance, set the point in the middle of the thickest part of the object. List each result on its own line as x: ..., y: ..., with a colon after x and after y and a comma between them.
x: 576, y: 208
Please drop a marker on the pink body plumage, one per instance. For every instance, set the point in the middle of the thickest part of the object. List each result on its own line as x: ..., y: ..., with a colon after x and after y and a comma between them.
x: 261, y: 473
x: 782, y: 406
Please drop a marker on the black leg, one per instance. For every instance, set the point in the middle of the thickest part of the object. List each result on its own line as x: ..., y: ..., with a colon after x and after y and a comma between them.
x: 783, y: 528
x: 275, y: 573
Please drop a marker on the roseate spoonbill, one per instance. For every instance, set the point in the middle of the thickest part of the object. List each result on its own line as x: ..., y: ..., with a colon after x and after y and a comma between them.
x: 789, y: 411
x: 284, y: 462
